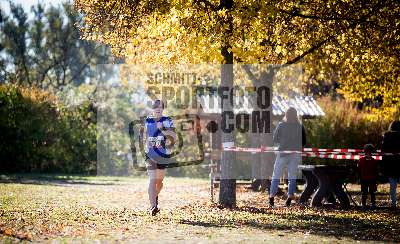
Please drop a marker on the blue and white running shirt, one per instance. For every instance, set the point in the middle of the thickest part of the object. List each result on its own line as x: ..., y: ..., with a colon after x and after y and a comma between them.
x: 156, y: 139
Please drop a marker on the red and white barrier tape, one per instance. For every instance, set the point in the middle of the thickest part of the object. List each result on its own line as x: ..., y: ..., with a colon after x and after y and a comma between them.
x: 351, y: 154
x: 342, y: 150
x: 338, y: 156
x: 319, y: 150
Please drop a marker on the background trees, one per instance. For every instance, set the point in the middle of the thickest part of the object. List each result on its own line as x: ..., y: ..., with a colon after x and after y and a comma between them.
x: 40, y: 54
x: 45, y: 50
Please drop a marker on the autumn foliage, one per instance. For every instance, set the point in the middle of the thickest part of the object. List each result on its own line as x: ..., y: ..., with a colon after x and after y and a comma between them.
x: 352, y: 43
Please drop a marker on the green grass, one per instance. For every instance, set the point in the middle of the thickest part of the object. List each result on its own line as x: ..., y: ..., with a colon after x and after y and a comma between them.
x: 69, y: 208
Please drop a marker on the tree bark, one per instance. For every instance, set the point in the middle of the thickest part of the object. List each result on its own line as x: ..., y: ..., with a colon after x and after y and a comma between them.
x: 227, y: 193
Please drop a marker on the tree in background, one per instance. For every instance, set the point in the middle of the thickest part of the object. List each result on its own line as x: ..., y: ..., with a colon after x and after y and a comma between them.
x: 352, y: 45
x: 46, y: 128
x: 362, y: 62
x: 46, y: 51
x: 328, y: 37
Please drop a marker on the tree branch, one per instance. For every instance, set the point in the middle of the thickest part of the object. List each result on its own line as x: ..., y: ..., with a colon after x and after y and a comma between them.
x: 252, y: 77
x: 362, y: 18
x: 310, y: 50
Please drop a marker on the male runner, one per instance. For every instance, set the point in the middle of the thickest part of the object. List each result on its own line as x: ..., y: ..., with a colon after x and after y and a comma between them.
x: 160, y: 135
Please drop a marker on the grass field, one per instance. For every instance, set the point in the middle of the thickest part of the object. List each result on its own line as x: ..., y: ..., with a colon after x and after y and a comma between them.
x: 86, y: 209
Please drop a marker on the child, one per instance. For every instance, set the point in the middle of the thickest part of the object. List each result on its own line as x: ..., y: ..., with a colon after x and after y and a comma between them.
x: 368, y: 169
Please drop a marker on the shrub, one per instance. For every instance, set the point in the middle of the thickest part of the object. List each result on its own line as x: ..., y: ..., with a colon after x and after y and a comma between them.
x: 343, y: 126
x: 40, y: 134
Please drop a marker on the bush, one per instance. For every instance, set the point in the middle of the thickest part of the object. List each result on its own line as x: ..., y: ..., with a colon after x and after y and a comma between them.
x: 40, y: 134
x: 343, y: 126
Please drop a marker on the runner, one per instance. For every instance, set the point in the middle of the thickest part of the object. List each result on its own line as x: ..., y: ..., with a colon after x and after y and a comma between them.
x: 160, y: 136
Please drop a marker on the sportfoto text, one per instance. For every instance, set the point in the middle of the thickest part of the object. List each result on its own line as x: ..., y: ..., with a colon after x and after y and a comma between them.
x: 235, y: 117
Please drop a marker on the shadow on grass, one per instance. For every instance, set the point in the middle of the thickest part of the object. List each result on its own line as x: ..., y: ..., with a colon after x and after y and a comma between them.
x: 358, y: 193
x: 55, y: 179
x: 337, y: 226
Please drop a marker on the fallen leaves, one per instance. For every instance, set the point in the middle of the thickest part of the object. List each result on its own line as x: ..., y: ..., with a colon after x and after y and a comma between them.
x: 18, y: 235
x: 93, y: 211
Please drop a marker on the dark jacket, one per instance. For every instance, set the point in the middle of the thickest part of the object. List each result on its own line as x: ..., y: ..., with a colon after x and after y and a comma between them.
x: 290, y: 136
x: 391, y: 144
x: 368, y: 168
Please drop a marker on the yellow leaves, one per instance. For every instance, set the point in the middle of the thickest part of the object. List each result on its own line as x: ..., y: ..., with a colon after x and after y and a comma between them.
x: 187, y: 13
x: 280, y: 50
x: 135, y: 42
x: 222, y: 12
x: 186, y: 32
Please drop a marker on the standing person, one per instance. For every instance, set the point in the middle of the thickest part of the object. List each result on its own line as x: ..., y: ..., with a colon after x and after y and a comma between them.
x: 158, y: 128
x: 368, y: 169
x: 289, y: 135
x: 391, y: 163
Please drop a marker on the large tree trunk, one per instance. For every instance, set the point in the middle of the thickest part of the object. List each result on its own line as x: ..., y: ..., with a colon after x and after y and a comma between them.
x: 227, y: 194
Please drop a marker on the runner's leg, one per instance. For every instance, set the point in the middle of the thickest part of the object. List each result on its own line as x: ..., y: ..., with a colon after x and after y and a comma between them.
x: 152, y: 190
x: 160, y: 173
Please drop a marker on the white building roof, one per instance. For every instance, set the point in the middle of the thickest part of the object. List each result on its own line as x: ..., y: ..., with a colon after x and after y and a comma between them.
x: 305, y: 105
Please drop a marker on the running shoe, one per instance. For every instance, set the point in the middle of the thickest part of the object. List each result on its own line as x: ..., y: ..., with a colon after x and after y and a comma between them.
x: 154, y: 211
x: 288, y: 201
x: 271, y: 201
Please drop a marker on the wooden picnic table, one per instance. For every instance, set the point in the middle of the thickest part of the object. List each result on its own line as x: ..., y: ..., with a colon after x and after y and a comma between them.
x: 324, y: 182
